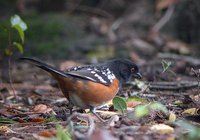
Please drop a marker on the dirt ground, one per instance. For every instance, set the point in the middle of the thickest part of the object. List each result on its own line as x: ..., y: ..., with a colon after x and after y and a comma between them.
x: 39, y: 106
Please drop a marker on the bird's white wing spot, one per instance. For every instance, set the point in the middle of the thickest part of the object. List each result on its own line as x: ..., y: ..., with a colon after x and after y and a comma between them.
x: 93, y: 72
x: 100, y: 78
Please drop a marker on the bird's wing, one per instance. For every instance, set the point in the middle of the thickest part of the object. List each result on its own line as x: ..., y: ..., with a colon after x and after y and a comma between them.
x: 97, y: 74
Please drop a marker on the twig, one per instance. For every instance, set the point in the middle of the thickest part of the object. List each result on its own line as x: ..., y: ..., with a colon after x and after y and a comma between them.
x: 192, y: 61
x: 173, y: 85
x: 92, y: 10
x: 9, y: 65
x: 198, y: 77
x: 39, y: 124
x: 25, y: 86
x: 153, y: 94
x: 197, y: 73
x: 10, y: 77
x: 164, y: 19
x: 73, y: 7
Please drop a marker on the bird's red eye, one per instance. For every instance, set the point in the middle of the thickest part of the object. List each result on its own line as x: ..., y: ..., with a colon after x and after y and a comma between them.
x: 132, y: 69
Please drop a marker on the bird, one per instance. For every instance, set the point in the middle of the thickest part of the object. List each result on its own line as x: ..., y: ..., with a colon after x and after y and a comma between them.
x: 91, y: 86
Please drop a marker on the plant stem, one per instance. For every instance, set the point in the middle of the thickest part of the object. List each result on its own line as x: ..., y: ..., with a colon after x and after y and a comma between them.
x: 10, y: 77
x: 9, y: 64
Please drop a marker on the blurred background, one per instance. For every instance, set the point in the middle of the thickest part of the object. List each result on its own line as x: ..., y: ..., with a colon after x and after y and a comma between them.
x: 103, y: 29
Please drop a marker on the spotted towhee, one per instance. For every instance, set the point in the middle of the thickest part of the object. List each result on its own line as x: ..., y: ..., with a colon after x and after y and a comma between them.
x: 90, y: 86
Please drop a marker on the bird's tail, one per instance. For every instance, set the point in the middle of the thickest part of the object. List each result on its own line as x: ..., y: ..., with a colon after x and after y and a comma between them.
x: 44, y: 66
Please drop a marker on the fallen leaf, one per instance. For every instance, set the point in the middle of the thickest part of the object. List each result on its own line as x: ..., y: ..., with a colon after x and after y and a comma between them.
x: 41, y: 108
x: 172, y: 117
x: 133, y: 104
x: 191, y: 111
x: 142, y: 85
x: 39, y: 119
x: 134, y: 101
x: 178, y: 102
x: 162, y: 128
x: 47, y: 133
x: 5, y: 129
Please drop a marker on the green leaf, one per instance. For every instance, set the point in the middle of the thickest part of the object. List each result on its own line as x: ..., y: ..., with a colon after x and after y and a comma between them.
x: 144, y: 110
x: 142, y: 85
x: 16, y: 20
x: 193, y: 133
x: 52, y: 118
x: 119, y: 104
x: 20, y: 31
x: 62, y: 134
x: 141, y: 111
x: 19, y: 25
x: 165, y: 65
x: 136, y: 98
x: 19, y: 47
x: 158, y: 106
x: 7, y: 121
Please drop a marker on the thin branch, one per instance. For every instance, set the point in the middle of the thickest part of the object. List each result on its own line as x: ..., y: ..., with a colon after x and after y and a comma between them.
x: 183, y: 85
x: 10, y: 77
x: 92, y: 10
x: 164, y: 19
x: 192, y: 61
x: 27, y: 86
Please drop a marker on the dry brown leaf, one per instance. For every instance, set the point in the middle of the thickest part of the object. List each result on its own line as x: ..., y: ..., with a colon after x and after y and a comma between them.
x: 41, y: 108
x: 39, y: 119
x: 47, y: 133
x: 133, y: 104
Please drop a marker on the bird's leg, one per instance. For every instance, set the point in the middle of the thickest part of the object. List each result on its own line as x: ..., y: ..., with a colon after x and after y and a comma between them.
x: 70, y: 108
x: 93, y: 110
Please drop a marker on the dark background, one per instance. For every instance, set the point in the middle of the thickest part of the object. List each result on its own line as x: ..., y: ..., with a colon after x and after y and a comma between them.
x: 102, y: 29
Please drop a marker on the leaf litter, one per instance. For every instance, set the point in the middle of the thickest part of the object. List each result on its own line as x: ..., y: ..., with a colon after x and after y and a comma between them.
x: 34, y: 115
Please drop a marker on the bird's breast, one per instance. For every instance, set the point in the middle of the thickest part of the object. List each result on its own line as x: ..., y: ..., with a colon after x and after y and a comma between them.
x: 85, y: 93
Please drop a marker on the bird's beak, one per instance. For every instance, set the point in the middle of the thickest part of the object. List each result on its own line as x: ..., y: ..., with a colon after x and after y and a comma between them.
x: 137, y: 75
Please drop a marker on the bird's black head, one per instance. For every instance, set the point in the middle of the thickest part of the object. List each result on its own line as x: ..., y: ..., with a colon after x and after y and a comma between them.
x: 124, y: 69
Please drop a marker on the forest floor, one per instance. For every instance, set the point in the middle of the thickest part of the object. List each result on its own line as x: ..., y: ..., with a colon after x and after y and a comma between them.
x: 39, y: 109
